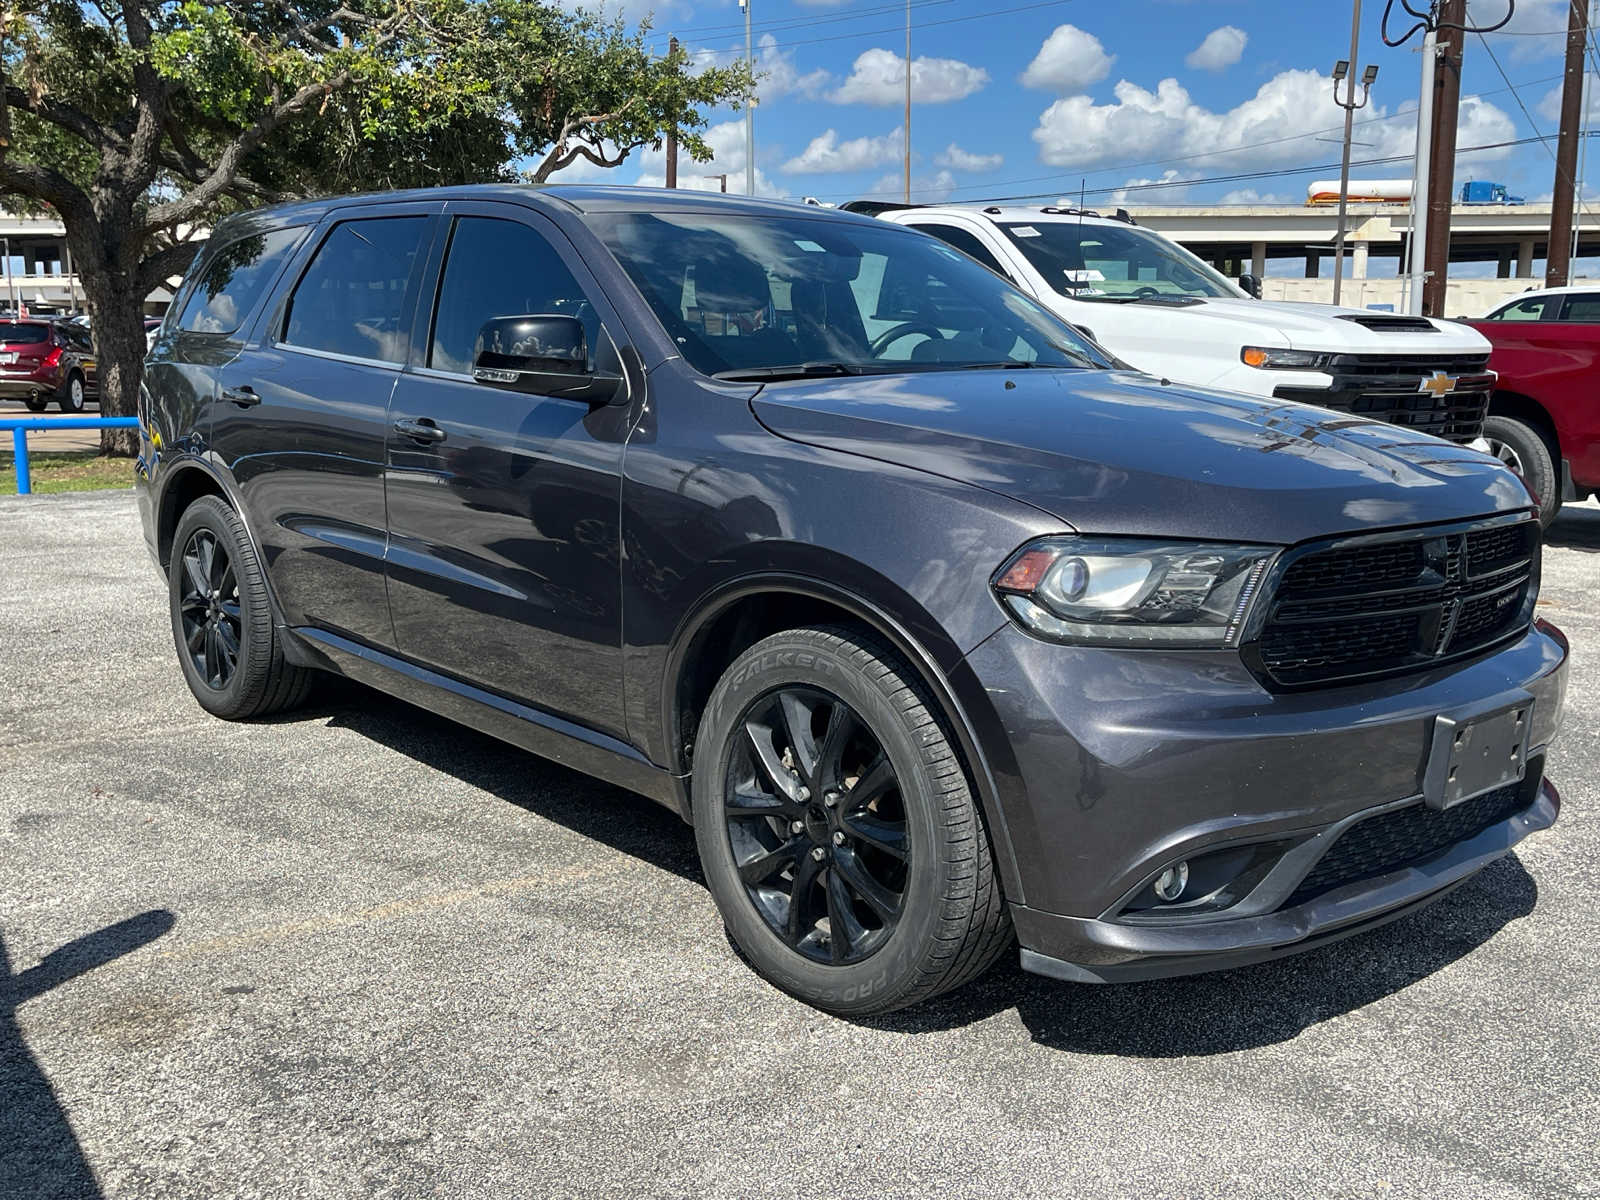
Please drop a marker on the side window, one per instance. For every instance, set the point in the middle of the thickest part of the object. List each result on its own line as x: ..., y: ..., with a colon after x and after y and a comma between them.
x: 497, y: 268
x: 1582, y: 308
x: 967, y: 243
x: 351, y: 300
x: 233, y: 280
x: 1523, y: 310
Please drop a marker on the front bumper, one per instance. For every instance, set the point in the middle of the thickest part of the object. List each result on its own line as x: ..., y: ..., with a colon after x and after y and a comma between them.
x: 1127, y: 762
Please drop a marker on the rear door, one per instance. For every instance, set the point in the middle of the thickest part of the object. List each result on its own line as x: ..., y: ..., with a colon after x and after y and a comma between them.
x: 504, y: 557
x: 301, y: 415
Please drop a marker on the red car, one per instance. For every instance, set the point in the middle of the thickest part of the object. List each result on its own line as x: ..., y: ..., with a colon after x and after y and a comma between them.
x: 42, y: 360
x: 1544, y: 418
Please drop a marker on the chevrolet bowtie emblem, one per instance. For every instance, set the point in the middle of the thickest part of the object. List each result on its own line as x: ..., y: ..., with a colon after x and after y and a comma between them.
x: 1438, y: 384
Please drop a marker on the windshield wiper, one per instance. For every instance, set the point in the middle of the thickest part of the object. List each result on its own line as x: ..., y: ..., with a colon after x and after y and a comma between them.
x: 792, y: 371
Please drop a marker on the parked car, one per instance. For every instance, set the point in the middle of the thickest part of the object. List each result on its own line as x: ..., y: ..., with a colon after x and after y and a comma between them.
x: 1543, y: 422
x: 1155, y: 305
x: 943, y: 633
x: 43, y: 360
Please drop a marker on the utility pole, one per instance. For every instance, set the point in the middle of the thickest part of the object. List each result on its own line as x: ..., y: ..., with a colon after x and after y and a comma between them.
x: 1446, y: 102
x: 1419, y: 178
x: 1558, y: 260
x: 672, y: 130
x: 749, y: 109
x: 1349, y: 104
x: 908, y: 101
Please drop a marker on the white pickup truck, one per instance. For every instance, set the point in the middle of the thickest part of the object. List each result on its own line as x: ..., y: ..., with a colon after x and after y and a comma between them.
x: 1164, y: 311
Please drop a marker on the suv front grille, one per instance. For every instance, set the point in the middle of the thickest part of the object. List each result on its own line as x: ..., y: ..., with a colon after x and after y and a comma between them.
x: 1392, y: 389
x: 1398, y: 604
x: 1407, y: 836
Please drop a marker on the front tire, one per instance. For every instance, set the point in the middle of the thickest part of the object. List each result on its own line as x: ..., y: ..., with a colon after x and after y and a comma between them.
x: 1520, y: 447
x: 837, y: 831
x: 72, y: 396
x: 231, y: 655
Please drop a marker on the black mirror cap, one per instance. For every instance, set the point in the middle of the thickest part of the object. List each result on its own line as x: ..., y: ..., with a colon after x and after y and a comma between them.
x: 544, y: 354
x: 1251, y: 284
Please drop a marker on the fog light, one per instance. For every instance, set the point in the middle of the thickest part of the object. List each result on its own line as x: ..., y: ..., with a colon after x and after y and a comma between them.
x: 1172, y: 881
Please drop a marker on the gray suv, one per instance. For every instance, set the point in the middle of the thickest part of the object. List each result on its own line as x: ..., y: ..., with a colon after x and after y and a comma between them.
x: 944, y: 633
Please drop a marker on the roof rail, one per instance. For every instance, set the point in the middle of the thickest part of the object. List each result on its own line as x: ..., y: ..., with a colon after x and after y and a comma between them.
x: 872, y: 208
x: 1056, y: 210
x: 1123, y: 215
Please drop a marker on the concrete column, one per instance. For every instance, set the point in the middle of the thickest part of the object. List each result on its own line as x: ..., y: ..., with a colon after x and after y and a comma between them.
x: 1503, y: 269
x: 1358, y: 260
x: 1313, y: 263
x: 1525, y: 259
x: 1258, y: 259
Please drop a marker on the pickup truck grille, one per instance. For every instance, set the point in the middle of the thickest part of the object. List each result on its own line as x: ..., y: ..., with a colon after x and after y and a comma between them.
x: 1398, y: 603
x: 1395, y: 389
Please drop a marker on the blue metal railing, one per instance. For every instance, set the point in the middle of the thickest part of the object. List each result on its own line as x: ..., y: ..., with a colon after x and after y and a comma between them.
x: 21, y: 427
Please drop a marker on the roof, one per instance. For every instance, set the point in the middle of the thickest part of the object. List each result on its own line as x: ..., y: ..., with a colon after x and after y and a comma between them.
x: 1034, y: 214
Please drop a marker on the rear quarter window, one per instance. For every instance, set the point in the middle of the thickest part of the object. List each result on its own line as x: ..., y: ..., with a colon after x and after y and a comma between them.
x: 233, y: 279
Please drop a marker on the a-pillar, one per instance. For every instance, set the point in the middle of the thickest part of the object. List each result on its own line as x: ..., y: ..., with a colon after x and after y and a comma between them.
x: 1525, y: 259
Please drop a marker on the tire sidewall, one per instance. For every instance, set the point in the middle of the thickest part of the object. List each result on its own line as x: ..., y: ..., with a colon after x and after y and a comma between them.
x: 72, y: 399
x: 211, y: 514
x: 1538, y: 463
x: 873, y: 983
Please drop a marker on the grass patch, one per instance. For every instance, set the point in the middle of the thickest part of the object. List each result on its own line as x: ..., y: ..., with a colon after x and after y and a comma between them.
x: 74, y: 471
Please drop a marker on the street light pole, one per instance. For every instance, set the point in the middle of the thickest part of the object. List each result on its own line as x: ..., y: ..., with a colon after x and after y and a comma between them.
x: 749, y: 109
x: 1421, y: 173
x: 908, y: 101
x: 1340, y: 70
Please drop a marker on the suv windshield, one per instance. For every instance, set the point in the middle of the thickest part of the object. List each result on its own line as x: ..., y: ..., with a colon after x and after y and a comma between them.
x: 1114, y: 262
x: 766, y: 297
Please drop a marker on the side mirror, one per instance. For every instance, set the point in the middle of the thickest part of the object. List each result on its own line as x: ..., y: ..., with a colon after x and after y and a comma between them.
x: 1251, y: 284
x: 543, y: 355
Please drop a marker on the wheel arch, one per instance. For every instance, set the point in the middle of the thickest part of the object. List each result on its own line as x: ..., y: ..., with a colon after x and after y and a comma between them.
x: 745, y: 610
x: 1521, y: 407
x: 186, y: 482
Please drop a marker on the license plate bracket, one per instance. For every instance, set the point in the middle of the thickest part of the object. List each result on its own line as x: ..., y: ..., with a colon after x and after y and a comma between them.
x: 1477, y: 753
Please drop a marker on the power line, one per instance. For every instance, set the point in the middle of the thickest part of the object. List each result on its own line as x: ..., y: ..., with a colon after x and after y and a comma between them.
x: 857, y: 14
x: 840, y: 37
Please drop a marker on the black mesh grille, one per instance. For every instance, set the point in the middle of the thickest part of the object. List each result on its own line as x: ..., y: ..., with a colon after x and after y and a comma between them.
x: 1399, y: 604
x: 1404, y: 837
x: 1391, y: 389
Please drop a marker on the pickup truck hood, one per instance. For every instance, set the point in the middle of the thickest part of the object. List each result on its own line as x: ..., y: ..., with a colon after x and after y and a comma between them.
x: 1119, y: 453
x: 1319, y: 327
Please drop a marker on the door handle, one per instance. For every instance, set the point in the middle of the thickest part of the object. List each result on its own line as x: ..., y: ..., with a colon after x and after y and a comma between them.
x: 420, y: 428
x: 244, y: 396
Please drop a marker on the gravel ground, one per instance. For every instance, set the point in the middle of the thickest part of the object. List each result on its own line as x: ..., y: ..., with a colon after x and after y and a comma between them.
x: 360, y: 952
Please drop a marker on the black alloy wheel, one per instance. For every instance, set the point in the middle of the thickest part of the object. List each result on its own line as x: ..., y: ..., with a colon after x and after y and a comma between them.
x: 817, y: 825
x: 209, y: 609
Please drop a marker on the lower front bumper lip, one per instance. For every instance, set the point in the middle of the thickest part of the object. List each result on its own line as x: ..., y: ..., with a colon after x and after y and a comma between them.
x: 1098, y: 951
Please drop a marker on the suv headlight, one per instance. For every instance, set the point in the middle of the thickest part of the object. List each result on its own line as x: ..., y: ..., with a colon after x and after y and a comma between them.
x: 1282, y: 360
x: 1132, y: 592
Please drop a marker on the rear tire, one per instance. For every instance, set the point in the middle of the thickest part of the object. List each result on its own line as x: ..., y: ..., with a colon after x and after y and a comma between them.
x: 1521, y: 448
x: 36, y: 404
x: 898, y: 899
x: 229, y: 650
x: 72, y: 395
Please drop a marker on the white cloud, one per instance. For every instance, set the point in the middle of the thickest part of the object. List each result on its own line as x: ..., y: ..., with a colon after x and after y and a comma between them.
x: 1069, y: 61
x: 826, y: 153
x: 879, y: 77
x: 924, y: 190
x: 1550, y: 107
x: 1251, y: 196
x: 727, y: 148
x: 1170, y: 188
x: 778, y: 75
x: 1275, y: 127
x: 965, y: 160
x: 1546, y: 17
x: 1221, y: 49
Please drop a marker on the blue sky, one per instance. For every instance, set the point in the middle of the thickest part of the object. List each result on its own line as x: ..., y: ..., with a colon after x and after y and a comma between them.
x: 1019, y: 99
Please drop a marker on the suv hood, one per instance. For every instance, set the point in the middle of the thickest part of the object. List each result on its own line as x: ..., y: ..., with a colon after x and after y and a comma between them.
x: 1324, y: 327
x: 1119, y: 453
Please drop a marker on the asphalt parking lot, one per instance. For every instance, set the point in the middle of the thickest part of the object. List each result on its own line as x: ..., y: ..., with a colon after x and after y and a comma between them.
x: 360, y: 952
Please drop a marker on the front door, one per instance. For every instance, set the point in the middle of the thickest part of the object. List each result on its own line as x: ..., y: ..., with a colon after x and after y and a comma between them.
x: 503, y: 559
x: 301, y: 417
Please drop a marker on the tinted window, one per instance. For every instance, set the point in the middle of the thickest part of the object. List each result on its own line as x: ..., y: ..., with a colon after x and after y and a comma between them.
x: 351, y: 300
x: 500, y: 269
x: 234, y: 279
x: 1522, y: 310
x: 78, y: 336
x: 967, y: 243
x: 13, y: 334
x: 1582, y: 308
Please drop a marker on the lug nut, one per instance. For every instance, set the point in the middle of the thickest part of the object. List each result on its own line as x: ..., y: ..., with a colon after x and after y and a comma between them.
x: 838, y: 838
x: 831, y: 799
x: 797, y: 826
x: 818, y: 853
x: 802, y: 793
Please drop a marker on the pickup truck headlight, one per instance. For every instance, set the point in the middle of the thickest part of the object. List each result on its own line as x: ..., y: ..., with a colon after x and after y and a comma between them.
x: 1133, y: 592
x: 1282, y: 360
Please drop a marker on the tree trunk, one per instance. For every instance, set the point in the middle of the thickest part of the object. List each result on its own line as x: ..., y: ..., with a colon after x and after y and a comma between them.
x: 117, y: 310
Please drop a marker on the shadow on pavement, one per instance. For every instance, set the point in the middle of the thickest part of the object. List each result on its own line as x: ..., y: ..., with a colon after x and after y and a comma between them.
x: 1247, y: 1007
x: 1575, y: 529
x: 42, y: 1159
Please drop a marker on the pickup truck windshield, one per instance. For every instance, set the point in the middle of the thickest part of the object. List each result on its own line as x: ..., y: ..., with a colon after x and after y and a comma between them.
x: 774, y: 297
x: 1114, y: 263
